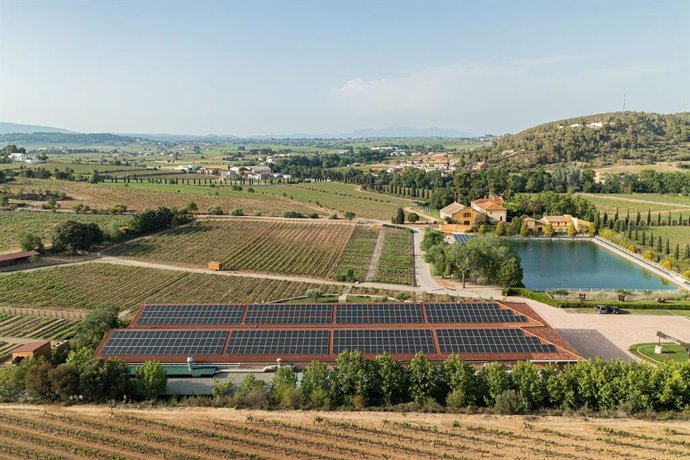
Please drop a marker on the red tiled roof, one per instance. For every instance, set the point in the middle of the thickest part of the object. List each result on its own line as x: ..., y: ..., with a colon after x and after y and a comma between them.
x: 31, y: 346
x: 17, y: 256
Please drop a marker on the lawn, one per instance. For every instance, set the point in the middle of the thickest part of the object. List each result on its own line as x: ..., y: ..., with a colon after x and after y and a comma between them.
x: 675, y: 234
x: 12, y: 223
x: 671, y: 352
x: 298, y: 248
x: 97, y: 284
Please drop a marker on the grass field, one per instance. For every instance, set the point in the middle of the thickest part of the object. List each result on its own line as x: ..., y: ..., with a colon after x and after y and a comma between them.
x: 643, y: 202
x: 357, y: 253
x: 675, y: 235
x: 671, y: 352
x: 395, y: 264
x: 304, y: 248
x: 342, y: 198
x: 95, y: 285
x: 140, y: 196
x: 195, y: 433
x: 12, y: 223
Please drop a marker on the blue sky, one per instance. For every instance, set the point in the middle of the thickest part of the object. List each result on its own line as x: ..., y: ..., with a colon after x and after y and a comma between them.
x: 267, y: 67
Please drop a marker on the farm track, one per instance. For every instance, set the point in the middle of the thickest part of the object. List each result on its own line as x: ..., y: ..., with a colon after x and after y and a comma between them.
x: 100, y: 432
x: 375, y: 256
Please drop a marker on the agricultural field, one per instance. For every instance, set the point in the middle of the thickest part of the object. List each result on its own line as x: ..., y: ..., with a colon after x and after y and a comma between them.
x: 643, y: 202
x: 140, y: 196
x: 342, y: 198
x: 194, y: 433
x: 297, y: 248
x: 12, y: 223
x: 675, y: 234
x: 35, y: 327
x: 93, y: 285
x: 357, y: 253
x: 395, y: 263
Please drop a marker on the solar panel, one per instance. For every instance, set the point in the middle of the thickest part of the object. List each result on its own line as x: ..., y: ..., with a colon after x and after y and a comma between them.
x: 289, y: 314
x: 137, y: 342
x: 378, y: 341
x: 272, y: 342
x: 471, y: 313
x: 462, y: 237
x: 190, y: 314
x: 379, y: 313
x: 490, y: 341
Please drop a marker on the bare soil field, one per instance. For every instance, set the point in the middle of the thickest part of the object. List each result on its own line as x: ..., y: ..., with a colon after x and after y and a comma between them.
x: 103, y: 432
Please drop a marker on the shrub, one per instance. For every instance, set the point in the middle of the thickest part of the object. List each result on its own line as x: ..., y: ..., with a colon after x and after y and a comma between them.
x: 292, y: 215
x: 215, y: 211
x: 30, y: 242
x: 649, y: 255
x: 237, y: 212
x: 509, y: 402
x: 349, y: 215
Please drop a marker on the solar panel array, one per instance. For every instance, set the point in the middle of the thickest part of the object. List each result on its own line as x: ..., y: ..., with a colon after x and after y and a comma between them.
x: 471, y: 313
x: 379, y: 313
x: 289, y: 314
x: 402, y: 341
x: 134, y: 342
x: 288, y: 342
x: 490, y: 341
x: 191, y: 314
x: 462, y: 237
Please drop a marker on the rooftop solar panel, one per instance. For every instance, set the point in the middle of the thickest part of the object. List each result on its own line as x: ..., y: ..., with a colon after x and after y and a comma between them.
x: 379, y: 313
x: 141, y: 343
x: 403, y: 341
x: 190, y: 314
x: 490, y: 341
x: 289, y: 314
x: 462, y: 237
x: 271, y: 342
x: 471, y: 313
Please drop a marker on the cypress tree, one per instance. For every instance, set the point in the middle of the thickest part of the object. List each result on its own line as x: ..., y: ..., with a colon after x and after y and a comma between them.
x: 669, y: 218
x: 649, y: 217
x: 638, y: 218
x: 687, y: 252
x: 605, y: 220
x: 615, y: 216
x: 627, y: 217
x: 658, y: 218
x: 658, y: 245
x: 667, y: 247
x: 676, y: 252
x: 644, y: 238
x: 651, y: 240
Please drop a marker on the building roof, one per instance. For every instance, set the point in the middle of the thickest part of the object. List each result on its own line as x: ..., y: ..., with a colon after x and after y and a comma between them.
x: 490, y: 204
x: 453, y: 208
x: 31, y: 346
x: 300, y: 333
x: 17, y: 256
x: 565, y: 218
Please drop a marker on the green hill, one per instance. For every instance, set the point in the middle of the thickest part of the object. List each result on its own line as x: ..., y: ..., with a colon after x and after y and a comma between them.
x: 601, y: 139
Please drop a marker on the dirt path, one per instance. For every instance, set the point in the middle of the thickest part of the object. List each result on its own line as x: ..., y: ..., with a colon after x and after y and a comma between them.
x: 370, y: 273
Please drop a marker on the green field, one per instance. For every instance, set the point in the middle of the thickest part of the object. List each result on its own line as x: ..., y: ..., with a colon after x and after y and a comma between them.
x: 675, y: 234
x: 671, y: 352
x: 96, y: 285
x: 395, y: 264
x: 653, y: 202
x: 12, y: 223
x: 342, y: 198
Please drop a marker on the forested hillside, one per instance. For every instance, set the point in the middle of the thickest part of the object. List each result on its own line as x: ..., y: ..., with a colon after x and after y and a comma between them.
x: 601, y: 139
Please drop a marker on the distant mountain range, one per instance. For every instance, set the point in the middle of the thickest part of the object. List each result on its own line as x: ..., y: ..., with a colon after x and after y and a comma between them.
x: 390, y: 132
x: 8, y: 128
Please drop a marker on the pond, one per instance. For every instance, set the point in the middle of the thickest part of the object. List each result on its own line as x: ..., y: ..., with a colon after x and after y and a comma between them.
x: 581, y: 265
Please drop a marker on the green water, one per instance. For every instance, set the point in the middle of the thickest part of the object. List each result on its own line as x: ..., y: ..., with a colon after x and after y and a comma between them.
x: 581, y: 265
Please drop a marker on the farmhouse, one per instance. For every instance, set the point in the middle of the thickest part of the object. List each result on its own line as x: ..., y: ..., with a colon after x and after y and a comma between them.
x: 560, y: 224
x: 7, y: 260
x: 492, y: 208
x: 460, y: 218
x: 256, y: 335
x: 32, y: 350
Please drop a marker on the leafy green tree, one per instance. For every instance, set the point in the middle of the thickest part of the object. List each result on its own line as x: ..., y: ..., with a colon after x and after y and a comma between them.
x: 91, y: 330
x: 315, y: 383
x: 399, y: 217
x: 74, y: 236
x: 496, y: 379
x: 461, y: 378
x: 314, y: 294
x: 528, y: 383
x: 524, y: 229
x: 37, y: 383
x: 349, y: 215
x: 352, y: 376
x: 30, y: 242
x: 64, y: 381
x: 431, y: 238
x: 500, y: 229
x: 151, y: 379
x: 220, y: 389
x: 510, y: 273
x: 423, y: 379
x: 413, y: 217
x: 392, y: 378
x: 284, y: 381
x: 548, y: 230
x: 571, y: 230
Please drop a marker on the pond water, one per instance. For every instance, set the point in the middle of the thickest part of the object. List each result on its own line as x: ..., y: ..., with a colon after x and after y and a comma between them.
x: 581, y: 265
